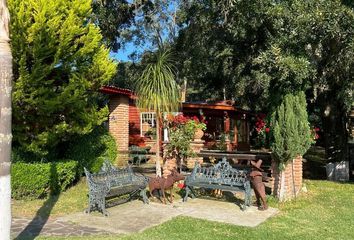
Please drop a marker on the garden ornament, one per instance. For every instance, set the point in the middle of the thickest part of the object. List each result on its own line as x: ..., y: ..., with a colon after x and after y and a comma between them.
x: 258, y: 185
x: 161, y: 183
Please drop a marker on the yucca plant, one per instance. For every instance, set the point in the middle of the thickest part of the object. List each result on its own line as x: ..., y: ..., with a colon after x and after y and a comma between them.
x: 158, y: 91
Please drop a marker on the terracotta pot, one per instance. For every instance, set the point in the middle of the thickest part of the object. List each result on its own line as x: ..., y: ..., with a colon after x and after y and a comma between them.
x: 199, y: 133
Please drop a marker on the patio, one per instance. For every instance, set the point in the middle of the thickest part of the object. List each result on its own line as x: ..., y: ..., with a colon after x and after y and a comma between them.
x: 133, y: 217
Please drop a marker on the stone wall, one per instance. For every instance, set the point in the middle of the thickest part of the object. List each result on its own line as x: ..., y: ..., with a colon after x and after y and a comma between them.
x: 285, y: 186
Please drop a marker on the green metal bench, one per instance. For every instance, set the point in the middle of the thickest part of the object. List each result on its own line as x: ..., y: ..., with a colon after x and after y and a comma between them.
x: 221, y: 176
x: 111, y: 182
x: 137, y: 155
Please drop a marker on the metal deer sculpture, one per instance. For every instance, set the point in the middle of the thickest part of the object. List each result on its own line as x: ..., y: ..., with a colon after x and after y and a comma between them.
x: 161, y: 183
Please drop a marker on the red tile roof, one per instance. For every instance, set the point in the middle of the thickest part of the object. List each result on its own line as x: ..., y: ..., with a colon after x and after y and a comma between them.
x: 116, y: 90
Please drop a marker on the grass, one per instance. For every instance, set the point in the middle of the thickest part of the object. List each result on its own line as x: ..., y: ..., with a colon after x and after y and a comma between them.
x: 70, y: 201
x: 326, y: 211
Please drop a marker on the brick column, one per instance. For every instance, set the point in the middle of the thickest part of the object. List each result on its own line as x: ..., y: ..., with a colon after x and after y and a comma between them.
x: 284, y: 183
x: 118, y: 123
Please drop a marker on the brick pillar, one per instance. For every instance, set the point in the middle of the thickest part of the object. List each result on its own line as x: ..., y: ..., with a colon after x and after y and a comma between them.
x: 284, y: 183
x: 118, y: 123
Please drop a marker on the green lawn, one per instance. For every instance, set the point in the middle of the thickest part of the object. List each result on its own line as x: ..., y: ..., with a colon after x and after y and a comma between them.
x: 326, y: 211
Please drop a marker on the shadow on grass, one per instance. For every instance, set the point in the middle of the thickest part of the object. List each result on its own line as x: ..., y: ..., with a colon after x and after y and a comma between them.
x: 34, y: 228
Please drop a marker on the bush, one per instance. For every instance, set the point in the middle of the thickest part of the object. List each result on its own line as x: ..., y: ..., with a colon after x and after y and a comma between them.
x: 291, y: 129
x: 37, y: 180
x: 92, y: 149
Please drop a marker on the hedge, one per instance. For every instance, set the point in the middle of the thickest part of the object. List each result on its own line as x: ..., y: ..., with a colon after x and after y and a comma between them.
x: 37, y: 180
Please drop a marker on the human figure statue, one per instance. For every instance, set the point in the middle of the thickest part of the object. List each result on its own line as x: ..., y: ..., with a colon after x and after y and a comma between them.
x: 258, y: 185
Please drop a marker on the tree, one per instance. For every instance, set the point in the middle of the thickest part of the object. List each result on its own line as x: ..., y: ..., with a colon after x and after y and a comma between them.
x: 291, y: 132
x: 60, y: 63
x: 265, y: 49
x: 112, y: 17
x: 291, y: 129
x: 157, y: 91
x: 5, y: 122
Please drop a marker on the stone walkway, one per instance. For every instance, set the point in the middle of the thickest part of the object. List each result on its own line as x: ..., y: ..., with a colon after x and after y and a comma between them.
x: 25, y: 228
x: 142, y: 215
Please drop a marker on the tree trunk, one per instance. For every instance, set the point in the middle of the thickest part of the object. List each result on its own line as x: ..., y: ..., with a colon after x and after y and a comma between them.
x: 158, y: 136
x: 5, y: 123
x: 334, y: 127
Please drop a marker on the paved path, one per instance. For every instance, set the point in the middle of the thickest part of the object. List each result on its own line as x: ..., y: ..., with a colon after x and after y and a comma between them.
x: 143, y: 216
x: 25, y: 228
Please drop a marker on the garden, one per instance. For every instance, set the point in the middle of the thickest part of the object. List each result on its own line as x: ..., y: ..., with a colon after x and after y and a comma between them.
x: 225, y: 92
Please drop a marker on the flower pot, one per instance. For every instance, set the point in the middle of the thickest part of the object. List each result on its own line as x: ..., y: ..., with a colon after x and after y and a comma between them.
x: 199, y: 133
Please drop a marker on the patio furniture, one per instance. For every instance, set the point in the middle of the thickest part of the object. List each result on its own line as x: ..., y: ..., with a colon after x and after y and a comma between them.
x: 221, y: 176
x: 110, y: 183
x: 137, y: 155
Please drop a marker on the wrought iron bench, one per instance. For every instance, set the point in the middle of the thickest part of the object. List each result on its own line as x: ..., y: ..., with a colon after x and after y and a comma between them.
x: 111, y: 182
x: 221, y: 176
x: 137, y: 155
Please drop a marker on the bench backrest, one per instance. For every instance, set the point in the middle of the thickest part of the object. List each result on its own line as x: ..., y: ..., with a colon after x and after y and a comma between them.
x: 111, y: 175
x: 221, y: 173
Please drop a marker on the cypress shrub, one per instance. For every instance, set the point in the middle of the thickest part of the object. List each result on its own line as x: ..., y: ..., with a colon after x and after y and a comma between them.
x: 60, y: 63
x: 291, y: 133
x: 37, y: 180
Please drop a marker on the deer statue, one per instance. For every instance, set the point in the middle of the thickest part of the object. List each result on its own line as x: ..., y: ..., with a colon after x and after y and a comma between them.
x: 161, y: 183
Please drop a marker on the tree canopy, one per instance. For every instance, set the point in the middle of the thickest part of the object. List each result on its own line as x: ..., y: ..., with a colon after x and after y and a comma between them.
x: 60, y: 62
x: 265, y: 49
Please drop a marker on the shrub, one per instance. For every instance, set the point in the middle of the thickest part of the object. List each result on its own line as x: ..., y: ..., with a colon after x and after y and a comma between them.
x: 37, y: 180
x: 58, y: 74
x: 92, y: 149
x: 291, y: 129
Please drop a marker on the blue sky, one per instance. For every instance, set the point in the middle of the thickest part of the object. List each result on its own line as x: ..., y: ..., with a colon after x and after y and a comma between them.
x: 123, y: 53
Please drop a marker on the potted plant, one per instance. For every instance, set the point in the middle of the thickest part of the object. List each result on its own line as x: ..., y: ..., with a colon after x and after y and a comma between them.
x: 182, y: 131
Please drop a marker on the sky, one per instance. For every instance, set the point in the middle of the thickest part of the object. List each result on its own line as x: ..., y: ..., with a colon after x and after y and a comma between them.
x: 123, y: 53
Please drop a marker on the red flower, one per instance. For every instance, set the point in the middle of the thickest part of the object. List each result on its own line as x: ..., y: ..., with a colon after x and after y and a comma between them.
x: 267, y: 130
x: 181, y: 185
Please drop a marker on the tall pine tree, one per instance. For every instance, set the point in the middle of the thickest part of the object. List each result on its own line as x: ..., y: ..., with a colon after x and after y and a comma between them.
x: 59, y: 64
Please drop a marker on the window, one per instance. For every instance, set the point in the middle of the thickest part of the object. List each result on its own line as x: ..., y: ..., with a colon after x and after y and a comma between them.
x: 147, y: 122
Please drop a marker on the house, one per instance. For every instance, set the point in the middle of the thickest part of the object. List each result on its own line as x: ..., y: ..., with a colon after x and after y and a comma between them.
x: 130, y: 125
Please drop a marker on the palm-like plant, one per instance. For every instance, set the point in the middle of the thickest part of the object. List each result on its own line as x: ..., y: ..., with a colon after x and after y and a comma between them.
x: 158, y: 91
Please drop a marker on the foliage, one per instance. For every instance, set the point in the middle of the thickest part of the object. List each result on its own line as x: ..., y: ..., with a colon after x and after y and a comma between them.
x: 112, y: 17
x: 155, y: 26
x: 37, y: 180
x: 290, y: 129
x: 265, y: 49
x: 157, y: 91
x: 181, y: 133
x: 59, y: 65
x: 92, y: 149
x: 157, y: 86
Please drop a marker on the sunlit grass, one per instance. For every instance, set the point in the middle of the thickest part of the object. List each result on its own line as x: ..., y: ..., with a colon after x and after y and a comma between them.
x: 71, y: 201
